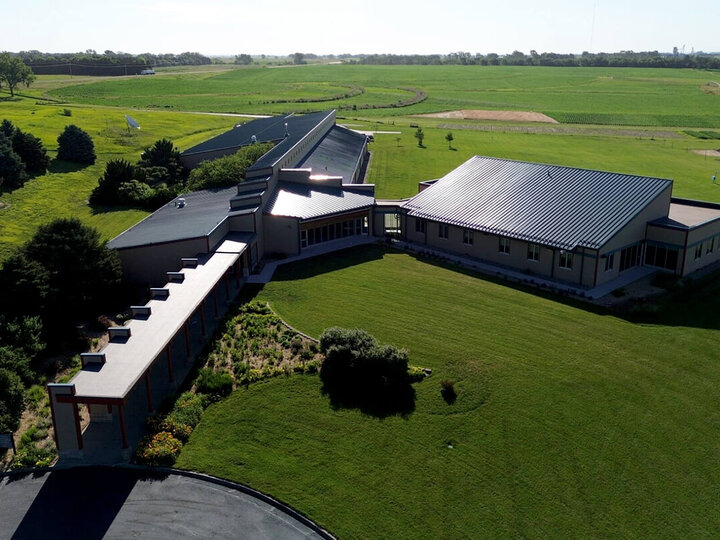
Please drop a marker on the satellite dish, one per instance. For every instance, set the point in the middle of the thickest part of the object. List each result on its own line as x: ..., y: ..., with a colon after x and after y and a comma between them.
x: 131, y: 122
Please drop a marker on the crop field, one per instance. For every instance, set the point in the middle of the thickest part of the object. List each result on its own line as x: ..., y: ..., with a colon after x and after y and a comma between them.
x: 612, y: 96
x: 570, y: 421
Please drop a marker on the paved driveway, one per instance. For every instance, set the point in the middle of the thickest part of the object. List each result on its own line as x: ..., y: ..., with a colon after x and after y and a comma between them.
x: 96, y: 502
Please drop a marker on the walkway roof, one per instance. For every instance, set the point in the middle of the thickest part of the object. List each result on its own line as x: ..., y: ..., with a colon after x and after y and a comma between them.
x: 127, y: 361
x: 312, y: 201
x: 560, y: 207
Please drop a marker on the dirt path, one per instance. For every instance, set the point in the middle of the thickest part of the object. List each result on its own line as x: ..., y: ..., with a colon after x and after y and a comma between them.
x: 500, y: 116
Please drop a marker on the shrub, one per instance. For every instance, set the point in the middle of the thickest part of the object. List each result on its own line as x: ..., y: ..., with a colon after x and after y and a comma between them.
x: 161, y: 163
x: 214, y: 383
x: 12, y: 169
x: 159, y: 450
x: 117, y: 172
x: 12, y: 400
x: 31, y: 152
x: 447, y: 390
x: 74, y: 144
x: 67, y: 112
x: 188, y: 409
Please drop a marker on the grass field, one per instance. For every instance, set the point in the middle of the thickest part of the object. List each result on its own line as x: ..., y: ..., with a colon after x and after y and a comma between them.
x: 570, y: 422
x: 616, y: 96
x: 64, y: 191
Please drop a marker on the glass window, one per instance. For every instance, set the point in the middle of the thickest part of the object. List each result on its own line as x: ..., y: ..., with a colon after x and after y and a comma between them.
x: 710, y: 245
x: 504, y: 245
x: 629, y: 257
x: 698, y: 251
x: 419, y: 225
x: 566, y: 260
x: 443, y: 230
x: 609, y: 262
x: 467, y: 237
x: 303, y: 239
x: 533, y: 252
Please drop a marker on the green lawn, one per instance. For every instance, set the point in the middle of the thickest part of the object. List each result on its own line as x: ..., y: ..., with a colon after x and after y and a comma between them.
x: 63, y: 192
x: 570, y: 421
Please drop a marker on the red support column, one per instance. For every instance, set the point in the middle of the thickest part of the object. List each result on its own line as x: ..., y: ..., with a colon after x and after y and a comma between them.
x: 148, y: 391
x: 169, y: 363
x: 186, y: 327
x: 122, y: 426
x: 202, y: 319
x: 78, y: 431
x: 215, y: 301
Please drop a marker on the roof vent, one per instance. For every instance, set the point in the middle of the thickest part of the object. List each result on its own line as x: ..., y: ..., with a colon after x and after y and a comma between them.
x: 253, y: 139
x: 181, y: 202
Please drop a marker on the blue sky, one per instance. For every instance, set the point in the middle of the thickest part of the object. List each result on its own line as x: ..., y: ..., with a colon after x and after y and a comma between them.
x: 371, y: 26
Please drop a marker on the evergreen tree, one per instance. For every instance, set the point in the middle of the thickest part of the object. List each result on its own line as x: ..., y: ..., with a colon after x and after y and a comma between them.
x: 74, y: 144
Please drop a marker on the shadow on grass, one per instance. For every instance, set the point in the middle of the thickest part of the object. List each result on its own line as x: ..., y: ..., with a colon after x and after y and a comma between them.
x: 61, y: 166
x: 379, y: 402
x: 322, y: 264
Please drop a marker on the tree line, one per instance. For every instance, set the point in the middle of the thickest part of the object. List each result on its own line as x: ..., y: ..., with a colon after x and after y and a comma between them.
x: 653, y: 59
x: 109, y: 62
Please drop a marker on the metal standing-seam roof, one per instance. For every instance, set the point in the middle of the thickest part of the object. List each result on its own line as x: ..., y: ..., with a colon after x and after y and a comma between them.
x: 307, y: 202
x: 338, y: 154
x: 560, y: 207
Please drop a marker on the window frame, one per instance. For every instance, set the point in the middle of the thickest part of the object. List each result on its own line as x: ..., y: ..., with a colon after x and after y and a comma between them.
x: 533, y: 253
x: 443, y: 231
x: 566, y: 260
x: 468, y: 238
x: 504, y: 245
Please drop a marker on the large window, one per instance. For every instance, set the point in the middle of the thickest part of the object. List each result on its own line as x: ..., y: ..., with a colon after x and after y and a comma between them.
x: 333, y: 231
x: 609, y: 262
x: 533, y: 252
x: 504, y: 245
x: 467, y: 237
x: 419, y: 225
x: 698, y: 251
x: 662, y: 257
x: 393, y: 224
x: 710, y: 245
x: 629, y: 257
x: 443, y: 230
x: 566, y: 260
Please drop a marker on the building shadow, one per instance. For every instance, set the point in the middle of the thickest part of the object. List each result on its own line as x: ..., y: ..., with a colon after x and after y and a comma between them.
x: 77, y: 503
x: 329, y: 262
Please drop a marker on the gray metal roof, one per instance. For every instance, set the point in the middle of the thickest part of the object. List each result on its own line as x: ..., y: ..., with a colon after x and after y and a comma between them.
x: 202, y: 212
x: 337, y: 154
x: 560, y: 207
x: 298, y: 127
x: 265, y: 129
x: 307, y: 202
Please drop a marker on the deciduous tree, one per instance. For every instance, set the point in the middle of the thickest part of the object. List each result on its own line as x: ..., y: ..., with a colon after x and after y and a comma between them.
x: 13, y: 71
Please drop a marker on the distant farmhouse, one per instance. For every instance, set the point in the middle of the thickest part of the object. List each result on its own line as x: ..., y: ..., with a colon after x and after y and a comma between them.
x: 579, y: 229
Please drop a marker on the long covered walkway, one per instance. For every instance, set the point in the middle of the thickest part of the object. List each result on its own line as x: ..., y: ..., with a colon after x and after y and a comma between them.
x: 147, y: 359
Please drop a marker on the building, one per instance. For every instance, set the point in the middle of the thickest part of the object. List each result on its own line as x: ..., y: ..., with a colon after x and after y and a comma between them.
x: 570, y: 226
x: 574, y: 226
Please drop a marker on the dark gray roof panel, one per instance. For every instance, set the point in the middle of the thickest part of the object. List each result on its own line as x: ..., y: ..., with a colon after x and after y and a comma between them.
x: 307, y: 202
x: 560, y: 207
x: 337, y: 154
x: 265, y: 129
x: 298, y: 127
x: 202, y: 212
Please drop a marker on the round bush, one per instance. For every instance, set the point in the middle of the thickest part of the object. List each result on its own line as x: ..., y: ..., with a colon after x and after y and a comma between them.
x: 74, y: 144
x: 159, y: 450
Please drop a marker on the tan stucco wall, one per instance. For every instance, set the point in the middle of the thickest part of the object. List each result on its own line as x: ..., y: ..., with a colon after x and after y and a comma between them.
x: 702, y: 235
x: 282, y: 235
x: 148, y: 265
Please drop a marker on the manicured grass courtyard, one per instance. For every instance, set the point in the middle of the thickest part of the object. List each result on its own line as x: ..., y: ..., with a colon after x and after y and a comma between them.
x: 570, y: 421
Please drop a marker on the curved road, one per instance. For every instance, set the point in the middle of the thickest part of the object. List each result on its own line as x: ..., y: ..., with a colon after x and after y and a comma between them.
x: 95, y: 502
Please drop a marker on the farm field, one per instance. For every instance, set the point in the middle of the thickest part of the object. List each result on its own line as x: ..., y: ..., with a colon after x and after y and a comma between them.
x: 570, y: 421
x: 610, y: 96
